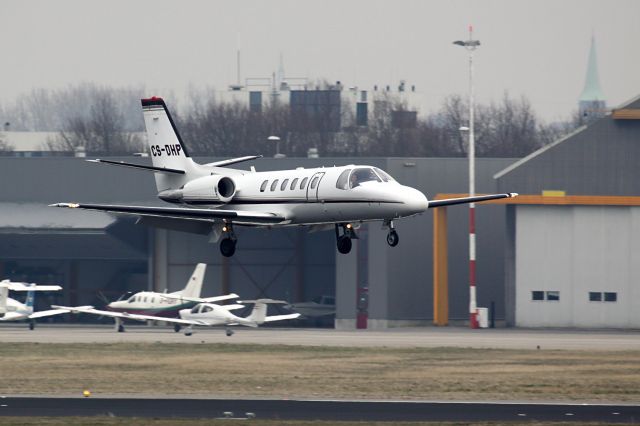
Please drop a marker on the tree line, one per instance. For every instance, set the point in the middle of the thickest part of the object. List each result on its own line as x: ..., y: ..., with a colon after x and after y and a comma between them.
x: 108, y: 121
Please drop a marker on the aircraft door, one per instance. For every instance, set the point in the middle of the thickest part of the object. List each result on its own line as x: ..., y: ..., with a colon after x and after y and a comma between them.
x: 312, y: 187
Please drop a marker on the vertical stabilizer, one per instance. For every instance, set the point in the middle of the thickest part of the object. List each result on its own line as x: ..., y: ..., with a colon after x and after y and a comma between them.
x: 4, y: 294
x: 259, y: 312
x: 31, y: 295
x: 166, y: 148
x: 194, y: 285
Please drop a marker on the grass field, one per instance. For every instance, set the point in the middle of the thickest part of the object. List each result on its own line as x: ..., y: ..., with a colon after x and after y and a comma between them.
x: 227, y: 370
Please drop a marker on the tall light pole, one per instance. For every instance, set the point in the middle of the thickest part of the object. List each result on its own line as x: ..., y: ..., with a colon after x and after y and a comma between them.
x: 471, y: 45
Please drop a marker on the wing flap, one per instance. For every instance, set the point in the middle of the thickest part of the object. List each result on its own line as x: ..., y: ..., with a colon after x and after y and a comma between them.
x: 48, y: 313
x: 235, y: 216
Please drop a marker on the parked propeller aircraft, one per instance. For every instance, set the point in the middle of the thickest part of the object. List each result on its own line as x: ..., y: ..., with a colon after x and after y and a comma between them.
x: 215, y: 198
x: 162, y: 305
x: 13, y: 310
x: 204, y: 313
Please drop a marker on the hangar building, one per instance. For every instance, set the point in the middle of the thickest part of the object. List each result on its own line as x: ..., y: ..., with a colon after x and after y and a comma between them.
x: 573, y: 258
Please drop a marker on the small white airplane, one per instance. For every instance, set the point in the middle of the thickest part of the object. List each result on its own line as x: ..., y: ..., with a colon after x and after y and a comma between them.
x: 214, y: 197
x: 12, y: 310
x: 147, y: 305
x: 204, y: 313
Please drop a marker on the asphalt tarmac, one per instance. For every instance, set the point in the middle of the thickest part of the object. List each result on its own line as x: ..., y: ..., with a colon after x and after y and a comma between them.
x: 396, y: 337
x: 317, y: 410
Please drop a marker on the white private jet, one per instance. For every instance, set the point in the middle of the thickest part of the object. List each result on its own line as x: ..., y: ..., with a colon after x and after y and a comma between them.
x: 12, y: 310
x: 214, y: 197
x: 204, y: 313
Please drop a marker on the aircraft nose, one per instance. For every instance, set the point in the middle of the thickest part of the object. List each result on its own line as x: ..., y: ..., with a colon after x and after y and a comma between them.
x: 415, y: 201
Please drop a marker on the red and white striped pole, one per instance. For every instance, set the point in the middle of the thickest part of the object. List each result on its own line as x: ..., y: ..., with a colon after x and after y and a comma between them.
x: 471, y: 45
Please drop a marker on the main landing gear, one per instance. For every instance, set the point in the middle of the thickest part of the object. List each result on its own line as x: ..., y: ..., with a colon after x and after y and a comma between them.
x: 228, y: 243
x: 229, y: 332
x: 344, y: 240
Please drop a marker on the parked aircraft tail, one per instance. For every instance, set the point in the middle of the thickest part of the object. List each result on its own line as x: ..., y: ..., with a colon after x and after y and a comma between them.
x: 4, y: 294
x: 194, y: 285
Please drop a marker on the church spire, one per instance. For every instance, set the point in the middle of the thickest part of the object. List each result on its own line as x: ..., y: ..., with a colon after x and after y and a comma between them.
x: 591, y: 101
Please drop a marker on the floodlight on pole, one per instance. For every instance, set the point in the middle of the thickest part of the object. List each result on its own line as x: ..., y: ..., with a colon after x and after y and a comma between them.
x: 276, y: 139
x: 471, y: 45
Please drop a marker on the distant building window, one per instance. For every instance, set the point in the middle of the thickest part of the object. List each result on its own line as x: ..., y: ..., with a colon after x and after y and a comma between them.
x: 611, y: 297
x: 284, y: 184
x: 294, y: 183
x: 595, y: 296
x: 303, y: 184
x: 274, y: 185
x: 553, y: 295
x: 537, y: 295
x: 264, y: 185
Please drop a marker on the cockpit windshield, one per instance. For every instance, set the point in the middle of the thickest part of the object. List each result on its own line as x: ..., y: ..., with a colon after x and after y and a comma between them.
x: 195, y: 309
x: 362, y: 175
x: 383, y: 175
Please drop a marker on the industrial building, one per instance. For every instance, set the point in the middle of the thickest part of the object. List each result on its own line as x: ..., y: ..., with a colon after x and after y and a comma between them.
x: 564, y: 253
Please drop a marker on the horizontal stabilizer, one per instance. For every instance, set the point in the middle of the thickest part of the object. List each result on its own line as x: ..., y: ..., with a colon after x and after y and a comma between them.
x: 466, y: 200
x: 271, y: 301
x: 139, y: 166
x: 231, y: 161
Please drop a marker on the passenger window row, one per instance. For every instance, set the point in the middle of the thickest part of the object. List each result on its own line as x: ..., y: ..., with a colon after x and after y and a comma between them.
x: 285, y: 184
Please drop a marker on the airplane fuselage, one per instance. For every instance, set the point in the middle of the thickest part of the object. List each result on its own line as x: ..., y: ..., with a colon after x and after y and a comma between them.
x: 310, y: 196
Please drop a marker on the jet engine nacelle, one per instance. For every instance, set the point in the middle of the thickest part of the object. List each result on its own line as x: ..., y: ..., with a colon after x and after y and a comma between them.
x: 211, y: 189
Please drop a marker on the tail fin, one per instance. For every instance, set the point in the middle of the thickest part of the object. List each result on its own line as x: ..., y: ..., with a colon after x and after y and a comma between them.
x: 259, y: 312
x: 194, y: 285
x: 4, y: 294
x: 31, y: 295
x: 165, y: 144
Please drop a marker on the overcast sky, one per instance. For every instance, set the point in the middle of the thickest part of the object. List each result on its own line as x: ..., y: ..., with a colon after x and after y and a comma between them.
x: 537, y: 48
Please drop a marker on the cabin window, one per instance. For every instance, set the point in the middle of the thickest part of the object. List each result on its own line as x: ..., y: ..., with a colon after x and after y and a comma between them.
x: 274, y: 185
x: 303, y: 184
x: 537, y: 295
x: 264, y: 185
x: 553, y: 295
x: 595, y: 296
x: 284, y: 184
x: 343, y: 180
x: 611, y: 297
x: 294, y: 183
x: 314, y: 182
x: 207, y: 308
x: 145, y: 299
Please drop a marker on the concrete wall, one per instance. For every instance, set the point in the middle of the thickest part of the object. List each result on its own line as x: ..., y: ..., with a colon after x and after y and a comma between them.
x: 577, y: 250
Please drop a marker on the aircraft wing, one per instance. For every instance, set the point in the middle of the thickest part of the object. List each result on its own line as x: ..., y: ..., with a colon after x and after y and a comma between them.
x: 281, y: 317
x: 48, y: 313
x: 125, y: 315
x: 201, y: 300
x: 465, y: 200
x: 211, y: 215
x: 15, y: 286
x: 12, y: 316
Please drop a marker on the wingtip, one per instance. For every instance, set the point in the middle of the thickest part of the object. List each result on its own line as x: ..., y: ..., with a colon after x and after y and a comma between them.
x: 513, y: 194
x: 68, y: 205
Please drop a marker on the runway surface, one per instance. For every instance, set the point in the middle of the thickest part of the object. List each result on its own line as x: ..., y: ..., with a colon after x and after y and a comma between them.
x: 396, y: 337
x: 317, y: 410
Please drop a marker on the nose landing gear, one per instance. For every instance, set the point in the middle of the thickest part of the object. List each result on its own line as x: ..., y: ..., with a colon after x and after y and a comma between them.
x: 392, y: 237
x: 228, y: 243
x: 344, y: 241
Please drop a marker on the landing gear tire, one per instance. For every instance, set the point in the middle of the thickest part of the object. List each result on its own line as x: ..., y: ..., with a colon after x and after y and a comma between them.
x: 229, y: 332
x: 227, y: 247
x: 344, y: 244
x: 188, y: 331
x: 176, y: 328
x: 32, y: 325
x: 393, y: 239
x: 120, y: 328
